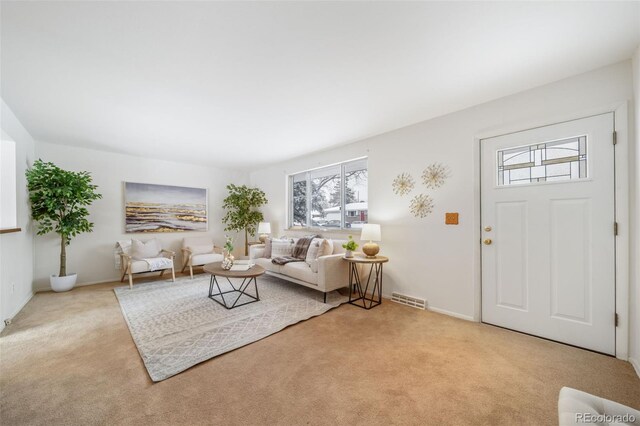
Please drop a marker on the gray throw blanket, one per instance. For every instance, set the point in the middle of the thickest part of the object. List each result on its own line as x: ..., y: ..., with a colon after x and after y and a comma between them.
x: 299, y: 253
x: 283, y: 260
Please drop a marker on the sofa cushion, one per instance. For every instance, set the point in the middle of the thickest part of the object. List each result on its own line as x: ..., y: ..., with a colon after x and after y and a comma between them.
x: 267, y: 265
x: 146, y: 249
x: 203, y: 259
x: 282, y: 247
x: 301, y: 271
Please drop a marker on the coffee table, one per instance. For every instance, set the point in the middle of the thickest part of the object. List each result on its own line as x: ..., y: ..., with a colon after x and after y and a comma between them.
x: 249, y: 276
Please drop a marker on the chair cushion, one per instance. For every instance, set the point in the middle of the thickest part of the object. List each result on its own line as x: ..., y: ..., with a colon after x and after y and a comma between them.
x: 146, y: 249
x: 267, y: 265
x: 203, y: 259
x: 201, y: 249
x: 301, y: 271
x: 139, y: 266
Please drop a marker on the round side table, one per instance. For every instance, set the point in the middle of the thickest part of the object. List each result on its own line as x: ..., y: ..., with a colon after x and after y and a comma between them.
x: 248, y: 276
x: 356, y: 283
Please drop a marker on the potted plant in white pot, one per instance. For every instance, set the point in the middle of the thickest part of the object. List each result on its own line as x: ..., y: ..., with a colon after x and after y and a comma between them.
x: 241, y: 215
x: 350, y: 246
x: 58, y: 203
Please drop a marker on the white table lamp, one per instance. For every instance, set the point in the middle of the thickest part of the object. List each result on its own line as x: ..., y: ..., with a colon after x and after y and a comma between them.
x: 371, y: 232
x: 264, y: 229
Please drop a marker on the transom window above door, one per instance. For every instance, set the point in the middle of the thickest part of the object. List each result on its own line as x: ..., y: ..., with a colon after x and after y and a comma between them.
x: 564, y: 159
x: 332, y: 197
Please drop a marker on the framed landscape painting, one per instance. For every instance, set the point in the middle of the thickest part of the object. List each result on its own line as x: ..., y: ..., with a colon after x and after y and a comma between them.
x: 164, y: 208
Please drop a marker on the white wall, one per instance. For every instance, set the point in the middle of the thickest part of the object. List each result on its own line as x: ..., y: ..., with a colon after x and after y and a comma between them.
x: 634, y: 290
x: 16, y: 249
x: 91, y: 255
x: 428, y: 258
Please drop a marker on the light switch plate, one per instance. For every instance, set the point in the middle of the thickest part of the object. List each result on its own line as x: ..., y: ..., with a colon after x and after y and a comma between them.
x: 451, y: 218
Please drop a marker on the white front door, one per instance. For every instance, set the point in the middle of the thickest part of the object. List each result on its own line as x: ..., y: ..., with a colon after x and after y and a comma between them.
x: 548, y: 244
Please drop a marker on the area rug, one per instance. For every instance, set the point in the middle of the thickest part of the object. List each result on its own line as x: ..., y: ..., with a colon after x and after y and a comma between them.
x: 176, y: 326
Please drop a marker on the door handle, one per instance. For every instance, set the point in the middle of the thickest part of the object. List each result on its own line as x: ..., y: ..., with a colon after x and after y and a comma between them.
x: 488, y: 241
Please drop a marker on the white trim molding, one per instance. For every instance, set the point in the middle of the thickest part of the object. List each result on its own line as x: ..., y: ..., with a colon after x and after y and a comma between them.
x: 636, y: 365
x: 17, y: 310
x: 450, y: 313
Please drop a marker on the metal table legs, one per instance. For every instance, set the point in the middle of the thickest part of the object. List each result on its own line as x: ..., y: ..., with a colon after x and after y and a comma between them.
x: 355, y: 284
x: 240, y: 291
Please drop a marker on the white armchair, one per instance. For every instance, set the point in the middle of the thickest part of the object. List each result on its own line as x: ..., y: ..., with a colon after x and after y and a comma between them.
x: 137, y: 257
x: 198, y: 251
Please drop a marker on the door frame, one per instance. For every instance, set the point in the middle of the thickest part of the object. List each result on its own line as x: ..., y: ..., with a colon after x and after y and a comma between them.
x: 620, y: 112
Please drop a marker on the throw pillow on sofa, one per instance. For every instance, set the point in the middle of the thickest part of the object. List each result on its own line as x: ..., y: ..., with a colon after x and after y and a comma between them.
x: 319, y: 247
x: 312, y: 253
x: 281, y: 247
x: 145, y: 250
x: 326, y: 248
x: 267, y: 248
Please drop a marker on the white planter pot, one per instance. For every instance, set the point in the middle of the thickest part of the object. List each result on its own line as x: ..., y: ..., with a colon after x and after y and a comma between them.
x: 348, y: 254
x: 66, y: 283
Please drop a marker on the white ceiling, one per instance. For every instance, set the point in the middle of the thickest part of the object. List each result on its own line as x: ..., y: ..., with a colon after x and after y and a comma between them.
x: 245, y: 84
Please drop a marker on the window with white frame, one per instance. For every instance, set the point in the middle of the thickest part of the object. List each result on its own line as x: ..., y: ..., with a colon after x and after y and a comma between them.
x: 332, y: 197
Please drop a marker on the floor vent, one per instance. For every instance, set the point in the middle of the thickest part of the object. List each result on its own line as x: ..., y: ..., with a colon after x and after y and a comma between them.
x: 408, y: 300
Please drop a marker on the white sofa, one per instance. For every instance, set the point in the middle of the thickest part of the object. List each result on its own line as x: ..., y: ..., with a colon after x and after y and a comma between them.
x: 333, y: 272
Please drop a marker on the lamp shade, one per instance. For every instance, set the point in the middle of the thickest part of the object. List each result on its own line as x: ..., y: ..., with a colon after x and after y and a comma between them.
x: 264, y: 228
x: 371, y: 232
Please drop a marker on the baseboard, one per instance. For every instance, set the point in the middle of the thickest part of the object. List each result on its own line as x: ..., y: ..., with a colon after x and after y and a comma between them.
x: 451, y: 314
x: 17, y: 310
x: 636, y: 365
x: 41, y: 289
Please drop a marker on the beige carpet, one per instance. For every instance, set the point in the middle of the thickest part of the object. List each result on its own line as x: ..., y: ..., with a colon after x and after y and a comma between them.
x: 69, y: 359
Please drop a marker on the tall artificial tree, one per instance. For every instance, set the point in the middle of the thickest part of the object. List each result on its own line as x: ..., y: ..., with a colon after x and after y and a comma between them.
x: 241, y: 205
x: 58, y: 203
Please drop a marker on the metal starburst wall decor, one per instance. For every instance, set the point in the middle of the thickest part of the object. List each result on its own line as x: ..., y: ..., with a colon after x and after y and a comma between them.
x: 421, y: 205
x: 403, y: 184
x: 434, y: 175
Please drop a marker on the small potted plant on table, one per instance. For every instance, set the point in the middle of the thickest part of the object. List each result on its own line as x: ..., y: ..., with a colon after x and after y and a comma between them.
x: 350, y: 246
